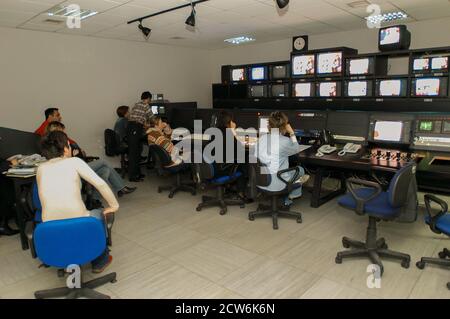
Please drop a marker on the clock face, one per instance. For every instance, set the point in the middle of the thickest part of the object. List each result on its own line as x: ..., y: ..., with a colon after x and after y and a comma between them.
x: 299, y: 43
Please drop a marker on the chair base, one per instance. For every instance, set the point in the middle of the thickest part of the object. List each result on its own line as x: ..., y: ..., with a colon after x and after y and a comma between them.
x: 274, y: 211
x: 220, y: 201
x: 86, y: 290
x: 178, y: 187
x: 373, y: 248
x: 443, y: 260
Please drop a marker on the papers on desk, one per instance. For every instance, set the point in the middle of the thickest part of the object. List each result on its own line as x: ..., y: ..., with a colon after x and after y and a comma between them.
x: 28, y: 160
x: 21, y: 172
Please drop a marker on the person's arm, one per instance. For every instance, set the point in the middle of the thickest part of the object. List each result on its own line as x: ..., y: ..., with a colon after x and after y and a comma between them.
x: 291, y: 147
x: 100, y: 185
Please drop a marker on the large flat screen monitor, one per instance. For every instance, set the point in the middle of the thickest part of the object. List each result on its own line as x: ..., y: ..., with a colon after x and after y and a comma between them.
x: 258, y: 73
x: 329, y: 89
x: 329, y: 63
x: 303, y: 89
x: 391, y: 88
x: 303, y: 65
x: 238, y: 75
x: 432, y: 87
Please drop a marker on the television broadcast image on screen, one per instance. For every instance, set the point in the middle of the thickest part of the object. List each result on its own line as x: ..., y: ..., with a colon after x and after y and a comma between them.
x: 359, y: 66
x: 328, y: 89
x: 388, y: 131
x: 303, y: 64
x: 390, y: 35
x: 303, y: 89
x: 439, y: 63
x: 329, y: 63
x: 393, y: 88
x: 427, y: 87
x: 358, y: 88
x: 258, y: 73
x: 421, y: 64
x: 238, y: 75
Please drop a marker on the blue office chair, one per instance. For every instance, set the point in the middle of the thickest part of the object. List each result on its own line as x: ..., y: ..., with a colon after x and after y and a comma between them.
x: 378, y: 205
x: 205, y: 173
x: 76, y: 241
x: 439, y: 224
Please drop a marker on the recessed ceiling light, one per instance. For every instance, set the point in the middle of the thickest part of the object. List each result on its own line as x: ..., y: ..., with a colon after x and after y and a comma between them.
x: 61, y: 11
x: 358, y: 4
x: 387, y: 17
x: 239, y: 40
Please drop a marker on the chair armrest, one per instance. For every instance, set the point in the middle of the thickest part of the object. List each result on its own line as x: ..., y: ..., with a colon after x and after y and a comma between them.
x: 428, y: 198
x: 289, y: 183
x: 109, y: 221
x: 29, y: 232
x: 360, y: 201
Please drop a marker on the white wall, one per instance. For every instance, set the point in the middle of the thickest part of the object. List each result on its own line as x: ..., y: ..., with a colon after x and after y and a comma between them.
x: 87, y: 78
x: 431, y: 33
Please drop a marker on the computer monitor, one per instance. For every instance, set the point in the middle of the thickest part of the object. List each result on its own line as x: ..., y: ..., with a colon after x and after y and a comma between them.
x: 256, y: 91
x: 421, y: 65
x: 439, y: 64
x: 394, y: 38
x: 329, y: 89
x: 258, y: 73
x: 278, y: 72
x: 238, y: 75
x: 348, y: 126
x: 426, y: 126
x: 389, y: 128
x: 263, y: 124
x: 329, y: 63
x: 161, y: 110
x: 429, y: 87
x: 358, y: 88
x: 303, y: 89
x: 155, y: 109
x: 360, y: 66
x: 303, y: 65
x: 391, y: 88
x: 279, y: 90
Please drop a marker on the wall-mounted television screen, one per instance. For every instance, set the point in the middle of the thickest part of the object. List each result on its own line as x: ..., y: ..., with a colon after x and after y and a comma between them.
x: 439, y: 64
x: 303, y: 89
x: 329, y: 63
x: 424, y: 87
x: 278, y: 72
x: 303, y: 65
x: 364, y: 66
x: 279, y: 90
x: 238, y: 75
x: 421, y: 65
x: 394, y: 38
x: 358, y: 88
x: 329, y: 89
x: 391, y: 88
x: 256, y: 91
x: 258, y: 73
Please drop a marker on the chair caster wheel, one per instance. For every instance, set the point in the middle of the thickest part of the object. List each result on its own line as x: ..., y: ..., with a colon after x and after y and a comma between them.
x: 199, y: 208
x: 275, y: 227
x: 113, y: 281
x: 61, y: 273
x: 345, y: 244
x: 170, y: 195
x: 442, y: 254
x: 251, y: 217
x: 338, y: 260
x: 159, y: 190
x: 405, y: 264
x: 299, y: 220
x: 242, y: 206
x: 223, y: 211
x: 420, y: 264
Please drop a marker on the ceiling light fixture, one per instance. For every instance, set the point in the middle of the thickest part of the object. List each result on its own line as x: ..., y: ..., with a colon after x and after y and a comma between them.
x: 239, y: 40
x: 145, y: 31
x: 282, y: 3
x: 60, y: 11
x: 387, y: 17
x: 190, y: 21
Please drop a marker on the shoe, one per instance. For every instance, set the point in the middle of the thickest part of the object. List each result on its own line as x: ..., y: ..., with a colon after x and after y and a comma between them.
x: 8, y: 231
x: 101, y: 268
x: 126, y: 190
x: 303, y: 179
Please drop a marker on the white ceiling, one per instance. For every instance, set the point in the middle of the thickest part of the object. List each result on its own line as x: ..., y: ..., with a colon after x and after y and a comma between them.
x: 216, y: 19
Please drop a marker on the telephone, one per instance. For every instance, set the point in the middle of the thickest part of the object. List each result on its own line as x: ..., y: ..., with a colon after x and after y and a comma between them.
x: 325, y: 149
x: 350, y: 148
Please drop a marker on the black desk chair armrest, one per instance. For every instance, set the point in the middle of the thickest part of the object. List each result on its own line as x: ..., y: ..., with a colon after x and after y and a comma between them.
x: 294, y: 177
x: 428, y: 198
x: 360, y: 201
x: 109, y: 221
x: 29, y: 232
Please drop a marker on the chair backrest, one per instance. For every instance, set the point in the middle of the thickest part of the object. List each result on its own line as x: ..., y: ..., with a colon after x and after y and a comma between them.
x: 398, y: 194
x: 76, y: 241
x: 160, y: 156
x: 111, y: 143
x: 262, y: 174
x: 36, y: 204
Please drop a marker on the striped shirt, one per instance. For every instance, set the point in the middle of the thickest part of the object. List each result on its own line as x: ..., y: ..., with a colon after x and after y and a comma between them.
x: 140, y: 113
x: 156, y: 136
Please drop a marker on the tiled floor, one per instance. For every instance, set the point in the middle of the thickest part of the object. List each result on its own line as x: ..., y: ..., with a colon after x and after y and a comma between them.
x: 163, y: 248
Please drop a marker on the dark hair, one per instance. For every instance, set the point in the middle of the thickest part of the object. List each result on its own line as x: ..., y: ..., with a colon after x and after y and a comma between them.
x: 53, y: 144
x: 223, y: 120
x: 154, y: 120
x: 55, y: 125
x: 122, y: 110
x: 146, y: 95
x: 50, y: 111
x: 278, y: 120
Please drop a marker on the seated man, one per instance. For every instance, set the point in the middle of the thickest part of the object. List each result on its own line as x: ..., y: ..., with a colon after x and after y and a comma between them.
x: 123, y: 112
x: 59, y: 181
x: 51, y: 115
x: 103, y: 169
x: 7, y: 199
x: 156, y: 135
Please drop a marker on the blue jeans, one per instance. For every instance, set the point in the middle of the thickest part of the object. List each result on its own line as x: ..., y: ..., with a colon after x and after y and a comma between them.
x: 103, y: 258
x: 297, y: 192
x: 108, y: 174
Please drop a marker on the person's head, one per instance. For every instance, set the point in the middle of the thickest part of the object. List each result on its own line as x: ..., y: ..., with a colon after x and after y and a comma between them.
x: 55, y: 126
x: 278, y: 120
x: 52, y: 114
x: 146, y: 97
x: 55, y: 144
x: 123, y: 111
x: 225, y: 120
x: 156, y: 122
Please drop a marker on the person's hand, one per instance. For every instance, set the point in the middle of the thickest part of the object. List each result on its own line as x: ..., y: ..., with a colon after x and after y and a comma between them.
x: 233, y: 125
x: 289, y: 129
x: 109, y: 210
x: 75, y: 152
x: 14, y: 162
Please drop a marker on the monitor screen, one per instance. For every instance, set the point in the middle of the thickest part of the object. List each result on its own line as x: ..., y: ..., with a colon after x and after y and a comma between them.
x: 328, y: 89
x: 440, y: 63
x: 359, y: 66
x: 238, y: 74
x: 446, y: 127
x: 279, y: 90
x: 257, y: 91
x: 303, y: 65
x: 258, y: 73
x: 389, y: 35
x: 391, y: 87
x: 329, y: 63
x: 388, y: 131
x: 162, y: 110
x: 427, y: 87
x: 279, y: 72
x: 263, y: 124
x: 358, y: 88
x: 303, y: 89
x: 155, y: 109
x: 426, y: 126
x: 421, y: 64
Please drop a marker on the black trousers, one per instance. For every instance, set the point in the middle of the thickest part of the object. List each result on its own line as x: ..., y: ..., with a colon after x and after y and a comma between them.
x: 135, y: 131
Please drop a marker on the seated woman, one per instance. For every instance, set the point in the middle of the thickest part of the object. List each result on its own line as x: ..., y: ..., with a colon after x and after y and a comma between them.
x: 274, y: 149
x: 59, y: 184
x: 120, y: 127
x: 156, y: 135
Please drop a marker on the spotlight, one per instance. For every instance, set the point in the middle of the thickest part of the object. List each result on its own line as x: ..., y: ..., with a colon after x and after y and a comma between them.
x: 282, y: 3
x: 190, y: 21
x: 145, y: 31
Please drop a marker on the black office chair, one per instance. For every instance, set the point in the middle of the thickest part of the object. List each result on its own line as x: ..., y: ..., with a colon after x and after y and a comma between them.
x: 263, y: 179
x: 378, y: 205
x: 114, y: 148
x: 205, y: 173
x: 162, y: 161
x: 440, y: 224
